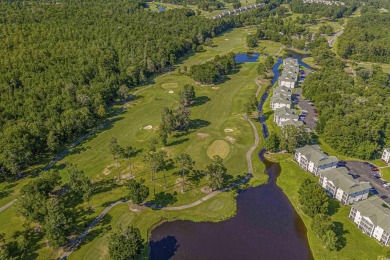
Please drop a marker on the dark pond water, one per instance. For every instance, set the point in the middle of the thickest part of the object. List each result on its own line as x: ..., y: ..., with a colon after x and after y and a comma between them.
x: 246, y: 57
x: 160, y: 8
x: 266, y: 227
x: 299, y: 57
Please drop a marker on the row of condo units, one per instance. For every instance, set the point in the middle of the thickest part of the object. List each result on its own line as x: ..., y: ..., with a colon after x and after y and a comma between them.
x: 239, y: 10
x: 371, y: 215
x: 290, y: 73
x: 281, y: 99
x: 325, y: 2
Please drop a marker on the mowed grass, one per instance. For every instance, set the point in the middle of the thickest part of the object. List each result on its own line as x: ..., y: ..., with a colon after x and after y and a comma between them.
x: 385, y: 172
x: 357, y: 244
x: 220, y: 148
x: 214, y: 110
x: 215, y: 209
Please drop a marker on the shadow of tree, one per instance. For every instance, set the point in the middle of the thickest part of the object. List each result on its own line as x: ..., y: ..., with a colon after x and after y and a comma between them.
x: 200, y: 101
x: 198, y: 123
x: 163, y: 249
x: 178, y: 141
x: 195, y: 177
x: 32, y: 242
x: 340, y: 233
x: 333, y: 207
x: 163, y: 199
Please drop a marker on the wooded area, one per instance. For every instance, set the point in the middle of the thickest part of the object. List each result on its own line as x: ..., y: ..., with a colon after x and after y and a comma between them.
x: 353, y: 113
x: 366, y: 38
x: 63, y: 63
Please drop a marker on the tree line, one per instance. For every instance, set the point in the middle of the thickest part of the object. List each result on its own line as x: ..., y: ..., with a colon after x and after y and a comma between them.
x: 63, y: 64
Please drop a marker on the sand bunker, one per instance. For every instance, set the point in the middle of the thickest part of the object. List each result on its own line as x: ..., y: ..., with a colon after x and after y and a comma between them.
x: 148, y: 127
x: 231, y: 139
x: 215, y: 88
x: 202, y: 135
x: 127, y: 176
x: 228, y: 130
x: 110, y: 168
x: 170, y: 92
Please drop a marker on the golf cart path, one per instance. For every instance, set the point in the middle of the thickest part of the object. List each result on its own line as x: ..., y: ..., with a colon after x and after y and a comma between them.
x: 77, y: 241
x: 6, y: 206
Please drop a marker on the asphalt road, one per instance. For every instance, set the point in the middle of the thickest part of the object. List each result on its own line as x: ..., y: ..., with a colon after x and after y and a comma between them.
x: 304, y: 105
x: 365, y: 174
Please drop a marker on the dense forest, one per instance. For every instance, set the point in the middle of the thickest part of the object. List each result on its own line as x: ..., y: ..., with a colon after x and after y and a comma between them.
x: 354, y: 114
x: 62, y: 64
x: 366, y: 38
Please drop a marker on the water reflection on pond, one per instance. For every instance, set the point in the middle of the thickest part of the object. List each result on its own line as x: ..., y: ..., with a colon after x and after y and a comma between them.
x: 247, y: 57
x: 266, y: 227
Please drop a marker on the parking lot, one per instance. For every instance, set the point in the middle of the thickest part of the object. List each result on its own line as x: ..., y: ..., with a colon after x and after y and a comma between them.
x: 303, y: 104
x: 363, y: 172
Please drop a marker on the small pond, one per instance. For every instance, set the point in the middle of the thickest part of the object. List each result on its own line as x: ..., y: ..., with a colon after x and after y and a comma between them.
x: 247, y: 57
x: 160, y: 8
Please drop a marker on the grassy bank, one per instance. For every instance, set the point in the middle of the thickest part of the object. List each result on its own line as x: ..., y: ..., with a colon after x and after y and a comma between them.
x: 357, y: 245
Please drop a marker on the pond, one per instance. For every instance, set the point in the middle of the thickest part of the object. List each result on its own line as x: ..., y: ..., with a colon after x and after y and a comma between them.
x: 246, y: 57
x: 266, y: 227
x: 160, y: 8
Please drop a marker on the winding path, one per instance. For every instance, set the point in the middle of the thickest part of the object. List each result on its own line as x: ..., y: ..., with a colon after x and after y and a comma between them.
x: 6, y: 206
x: 77, y: 241
x: 333, y: 39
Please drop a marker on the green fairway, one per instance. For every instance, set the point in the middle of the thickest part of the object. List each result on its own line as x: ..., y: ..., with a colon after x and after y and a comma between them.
x: 357, y: 244
x: 216, y: 118
x: 215, y: 209
x: 385, y: 172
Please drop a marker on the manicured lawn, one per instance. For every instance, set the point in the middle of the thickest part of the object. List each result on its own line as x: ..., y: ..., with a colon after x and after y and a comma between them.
x: 216, y: 109
x: 385, y: 172
x: 357, y: 244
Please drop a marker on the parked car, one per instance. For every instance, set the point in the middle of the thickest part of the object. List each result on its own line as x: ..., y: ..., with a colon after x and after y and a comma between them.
x: 384, y: 197
x: 377, y: 177
x: 374, y: 169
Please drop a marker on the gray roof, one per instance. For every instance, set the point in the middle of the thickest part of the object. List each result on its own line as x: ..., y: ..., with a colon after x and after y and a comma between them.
x: 285, y: 111
x: 291, y: 122
x: 341, y: 179
x: 282, y: 89
x: 314, y: 154
x: 387, y: 149
x: 373, y: 209
x: 280, y: 100
x: 286, y: 78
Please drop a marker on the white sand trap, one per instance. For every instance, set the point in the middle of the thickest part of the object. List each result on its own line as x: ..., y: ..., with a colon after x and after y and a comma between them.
x: 226, y: 39
x: 127, y: 176
x: 228, y: 130
x: 202, y: 135
x: 170, y: 92
x: 215, y: 88
x: 106, y: 171
x: 231, y: 139
x: 148, y: 127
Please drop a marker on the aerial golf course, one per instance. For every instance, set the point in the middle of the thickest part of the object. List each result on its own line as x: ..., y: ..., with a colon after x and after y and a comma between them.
x: 217, y: 128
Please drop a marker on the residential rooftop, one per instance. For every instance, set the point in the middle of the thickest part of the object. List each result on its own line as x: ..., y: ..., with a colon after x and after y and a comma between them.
x: 314, y: 154
x: 374, y: 209
x: 343, y: 180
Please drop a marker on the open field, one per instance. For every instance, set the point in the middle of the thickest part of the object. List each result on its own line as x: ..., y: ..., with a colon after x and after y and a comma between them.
x: 357, y: 244
x: 214, y: 110
x: 385, y: 172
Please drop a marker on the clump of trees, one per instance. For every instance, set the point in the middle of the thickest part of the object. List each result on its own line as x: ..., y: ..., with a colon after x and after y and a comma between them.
x: 178, y: 120
x: 138, y: 192
x: 315, y: 202
x: 211, y: 71
x: 353, y: 113
x: 290, y: 138
x: 125, y: 243
x: 216, y: 173
x: 322, y: 10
